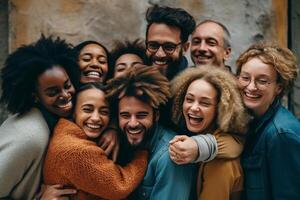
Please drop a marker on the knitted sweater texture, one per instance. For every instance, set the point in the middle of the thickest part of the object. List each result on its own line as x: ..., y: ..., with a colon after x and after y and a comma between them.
x: 75, y: 161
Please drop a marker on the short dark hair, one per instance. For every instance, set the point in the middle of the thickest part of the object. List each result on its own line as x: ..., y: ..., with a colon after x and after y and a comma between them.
x: 135, y: 47
x: 24, y: 66
x: 80, y: 46
x: 176, y: 17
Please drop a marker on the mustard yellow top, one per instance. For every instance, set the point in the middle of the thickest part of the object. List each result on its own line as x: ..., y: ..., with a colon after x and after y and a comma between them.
x: 220, y: 179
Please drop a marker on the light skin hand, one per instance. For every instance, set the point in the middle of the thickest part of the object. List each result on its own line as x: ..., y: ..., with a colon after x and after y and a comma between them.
x: 109, y: 142
x: 56, y: 192
x: 183, y: 149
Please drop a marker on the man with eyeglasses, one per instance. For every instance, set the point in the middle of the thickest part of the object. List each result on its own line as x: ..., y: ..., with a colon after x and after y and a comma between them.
x: 167, y: 35
x: 210, y: 44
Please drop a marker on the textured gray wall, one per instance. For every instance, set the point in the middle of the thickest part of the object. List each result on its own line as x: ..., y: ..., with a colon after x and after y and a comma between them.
x: 107, y: 20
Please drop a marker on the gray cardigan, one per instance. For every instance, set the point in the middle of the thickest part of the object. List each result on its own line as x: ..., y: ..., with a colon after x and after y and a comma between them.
x: 23, y: 142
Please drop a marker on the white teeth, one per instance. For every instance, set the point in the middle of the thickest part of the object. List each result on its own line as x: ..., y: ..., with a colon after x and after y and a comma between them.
x: 194, y: 116
x: 160, y: 62
x: 93, y: 74
x: 93, y: 126
x: 69, y: 104
x: 251, y: 95
x: 134, y: 131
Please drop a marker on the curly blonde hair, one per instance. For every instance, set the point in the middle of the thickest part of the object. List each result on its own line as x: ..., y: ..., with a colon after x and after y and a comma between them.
x: 231, y: 114
x: 143, y: 82
x: 282, y: 59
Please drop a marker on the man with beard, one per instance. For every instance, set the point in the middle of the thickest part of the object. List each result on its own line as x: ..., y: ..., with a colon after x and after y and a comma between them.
x: 138, y: 96
x: 167, y: 35
x: 210, y: 44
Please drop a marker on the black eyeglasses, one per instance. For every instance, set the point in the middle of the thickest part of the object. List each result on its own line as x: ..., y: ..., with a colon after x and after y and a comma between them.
x: 168, y: 47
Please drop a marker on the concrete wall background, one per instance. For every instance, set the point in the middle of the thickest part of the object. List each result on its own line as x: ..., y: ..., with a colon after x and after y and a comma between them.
x: 107, y: 20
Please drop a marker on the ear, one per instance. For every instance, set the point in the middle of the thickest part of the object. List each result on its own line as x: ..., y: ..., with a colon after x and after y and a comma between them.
x: 227, y: 53
x: 279, y: 88
x: 186, y: 46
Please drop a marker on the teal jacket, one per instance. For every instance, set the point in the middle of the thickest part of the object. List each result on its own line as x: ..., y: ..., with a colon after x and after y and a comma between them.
x: 271, y: 158
x: 164, y: 179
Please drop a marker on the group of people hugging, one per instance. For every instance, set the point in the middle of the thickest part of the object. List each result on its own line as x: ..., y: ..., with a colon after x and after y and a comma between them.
x: 137, y: 122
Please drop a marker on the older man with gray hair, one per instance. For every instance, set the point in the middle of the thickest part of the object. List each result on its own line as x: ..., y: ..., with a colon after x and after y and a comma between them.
x: 210, y: 44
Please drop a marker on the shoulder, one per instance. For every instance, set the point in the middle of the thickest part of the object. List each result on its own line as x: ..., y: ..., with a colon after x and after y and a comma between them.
x: 285, y: 121
x: 27, y: 133
x: 283, y: 126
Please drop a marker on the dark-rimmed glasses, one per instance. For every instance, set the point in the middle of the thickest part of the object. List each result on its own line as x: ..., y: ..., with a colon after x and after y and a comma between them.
x: 168, y: 47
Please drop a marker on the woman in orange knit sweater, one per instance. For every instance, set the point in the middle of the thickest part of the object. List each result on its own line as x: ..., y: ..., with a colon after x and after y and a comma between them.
x: 74, y: 159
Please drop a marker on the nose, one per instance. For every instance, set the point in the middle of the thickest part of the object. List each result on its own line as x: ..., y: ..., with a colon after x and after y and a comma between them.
x: 95, y: 117
x: 202, y: 46
x: 65, y: 94
x: 160, y: 52
x: 195, y: 107
x: 252, y: 85
x: 94, y: 63
x: 133, y: 122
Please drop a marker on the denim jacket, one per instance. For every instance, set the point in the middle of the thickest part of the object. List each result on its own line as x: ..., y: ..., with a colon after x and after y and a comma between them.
x: 271, y: 158
x: 164, y: 179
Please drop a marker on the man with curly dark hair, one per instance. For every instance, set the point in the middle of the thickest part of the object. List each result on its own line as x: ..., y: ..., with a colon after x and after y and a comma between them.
x: 167, y: 35
x: 139, y: 95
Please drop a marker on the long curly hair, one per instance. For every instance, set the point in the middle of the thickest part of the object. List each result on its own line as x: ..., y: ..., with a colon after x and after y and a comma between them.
x: 143, y: 82
x: 231, y: 113
x: 282, y: 59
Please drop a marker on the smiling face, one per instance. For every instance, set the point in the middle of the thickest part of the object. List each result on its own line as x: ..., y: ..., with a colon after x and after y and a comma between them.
x: 200, y: 106
x: 136, y: 118
x: 207, y: 45
x: 260, y: 95
x: 124, y: 62
x: 163, y: 34
x: 55, y: 91
x: 92, y: 112
x: 93, y: 64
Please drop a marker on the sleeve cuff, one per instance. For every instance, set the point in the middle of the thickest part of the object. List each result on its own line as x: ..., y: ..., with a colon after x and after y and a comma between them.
x: 207, y: 147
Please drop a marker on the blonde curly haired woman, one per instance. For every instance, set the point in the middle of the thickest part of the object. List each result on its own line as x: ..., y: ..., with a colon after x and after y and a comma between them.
x: 207, y: 100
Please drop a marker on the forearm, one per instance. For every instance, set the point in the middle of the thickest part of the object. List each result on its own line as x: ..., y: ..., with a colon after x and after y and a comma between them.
x: 207, y: 147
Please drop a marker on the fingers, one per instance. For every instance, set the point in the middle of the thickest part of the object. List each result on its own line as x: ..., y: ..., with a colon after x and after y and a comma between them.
x: 57, y: 186
x: 104, y: 143
x: 176, y: 158
x: 66, y: 192
x: 109, y: 148
x: 178, y: 138
x: 115, y: 152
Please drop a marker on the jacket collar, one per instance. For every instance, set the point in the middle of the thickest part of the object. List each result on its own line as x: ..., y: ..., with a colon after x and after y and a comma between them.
x: 260, y: 121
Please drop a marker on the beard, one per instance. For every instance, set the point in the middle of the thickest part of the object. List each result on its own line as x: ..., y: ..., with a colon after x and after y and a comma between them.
x: 127, y: 150
x: 173, y: 64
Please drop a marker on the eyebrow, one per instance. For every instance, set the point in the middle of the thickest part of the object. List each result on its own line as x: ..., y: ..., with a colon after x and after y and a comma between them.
x: 54, y: 87
x: 90, y: 54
